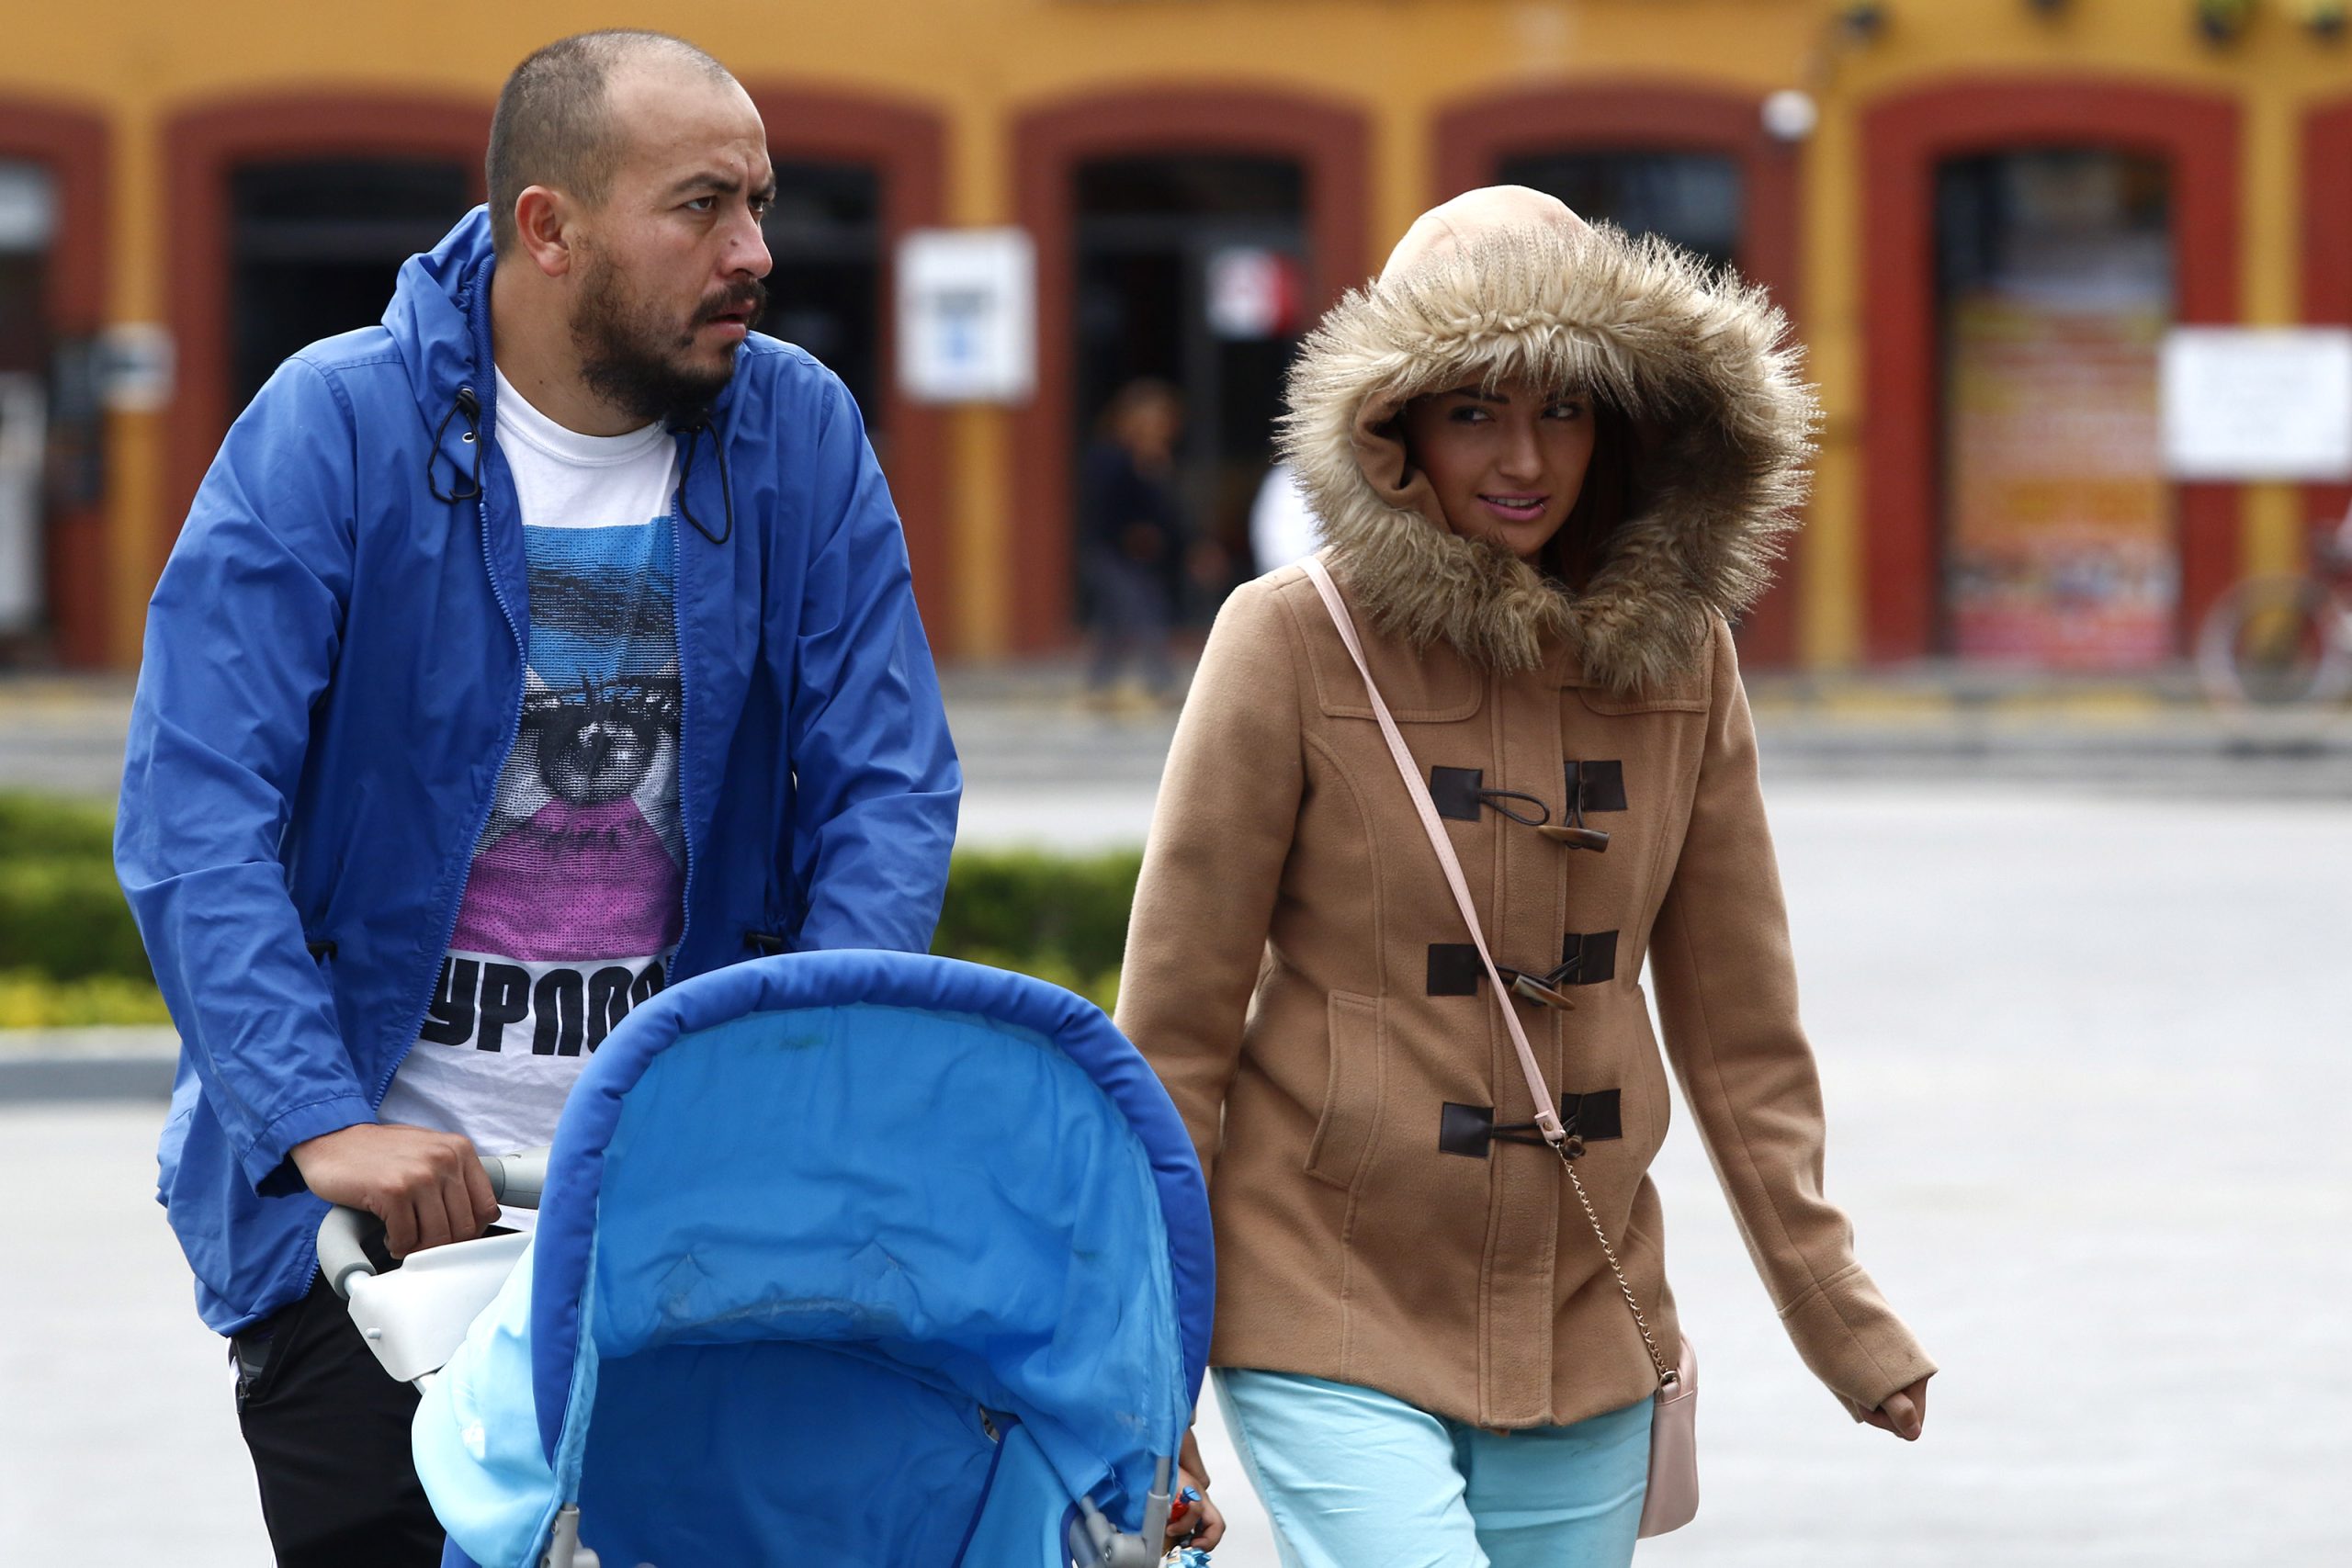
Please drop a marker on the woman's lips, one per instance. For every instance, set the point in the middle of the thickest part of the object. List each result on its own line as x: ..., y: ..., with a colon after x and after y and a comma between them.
x: 1515, y: 508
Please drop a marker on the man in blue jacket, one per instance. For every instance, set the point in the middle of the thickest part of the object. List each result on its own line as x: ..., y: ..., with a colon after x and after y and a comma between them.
x: 548, y: 642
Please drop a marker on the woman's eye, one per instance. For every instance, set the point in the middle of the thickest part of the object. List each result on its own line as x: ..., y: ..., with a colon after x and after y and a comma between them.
x: 1566, y: 410
x: 1469, y: 414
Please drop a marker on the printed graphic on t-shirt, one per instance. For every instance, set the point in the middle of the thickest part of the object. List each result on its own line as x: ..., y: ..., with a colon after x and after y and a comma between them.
x: 546, y: 1009
x: 583, y: 856
x: 575, y: 893
x: 573, y: 903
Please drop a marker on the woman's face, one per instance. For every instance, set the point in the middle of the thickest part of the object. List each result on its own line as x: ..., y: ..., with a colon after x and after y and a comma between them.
x: 1506, y: 464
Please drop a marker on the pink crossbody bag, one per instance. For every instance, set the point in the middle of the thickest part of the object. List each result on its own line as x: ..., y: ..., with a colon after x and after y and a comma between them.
x: 1672, y: 1500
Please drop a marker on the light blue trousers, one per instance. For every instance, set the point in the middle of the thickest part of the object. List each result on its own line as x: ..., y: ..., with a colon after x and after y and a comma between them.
x: 1359, y: 1479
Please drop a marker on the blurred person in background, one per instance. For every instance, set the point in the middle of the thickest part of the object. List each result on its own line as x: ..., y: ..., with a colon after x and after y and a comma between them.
x: 547, y: 643
x: 1131, y: 536
x: 1422, y: 1349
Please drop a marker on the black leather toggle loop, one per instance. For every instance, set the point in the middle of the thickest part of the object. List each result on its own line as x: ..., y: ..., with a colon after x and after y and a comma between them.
x: 1596, y: 786
x: 1470, y: 1130
x: 322, y: 951
x: 767, y: 945
x: 1592, y: 786
x: 1587, y: 960
x: 1455, y: 969
x: 1459, y: 793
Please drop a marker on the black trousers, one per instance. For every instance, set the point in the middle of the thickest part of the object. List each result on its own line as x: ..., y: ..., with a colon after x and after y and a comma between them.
x: 329, y: 1431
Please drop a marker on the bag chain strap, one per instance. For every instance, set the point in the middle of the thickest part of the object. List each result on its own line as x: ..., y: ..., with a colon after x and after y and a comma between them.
x: 1567, y: 1151
x: 1562, y: 1142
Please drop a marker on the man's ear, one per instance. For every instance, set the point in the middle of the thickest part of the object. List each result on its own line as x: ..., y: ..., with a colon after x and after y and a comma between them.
x: 543, y: 229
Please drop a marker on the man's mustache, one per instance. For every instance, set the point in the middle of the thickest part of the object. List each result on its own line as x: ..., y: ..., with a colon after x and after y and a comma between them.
x: 749, y: 297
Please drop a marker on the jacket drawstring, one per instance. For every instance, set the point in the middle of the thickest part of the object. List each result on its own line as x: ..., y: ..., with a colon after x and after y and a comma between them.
x: 693, y: 430
x: 468, y: 407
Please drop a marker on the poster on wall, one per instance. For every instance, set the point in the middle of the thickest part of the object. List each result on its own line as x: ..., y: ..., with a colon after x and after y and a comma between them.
x: 2060, y: 544
x: 2062, y: 548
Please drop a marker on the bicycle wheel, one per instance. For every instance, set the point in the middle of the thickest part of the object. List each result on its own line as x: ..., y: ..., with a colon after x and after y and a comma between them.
x: 2272, y: 641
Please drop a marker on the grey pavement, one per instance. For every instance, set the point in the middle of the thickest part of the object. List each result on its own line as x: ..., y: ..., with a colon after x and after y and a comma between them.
x: 1023, y: 730
x: 2084, y: 1064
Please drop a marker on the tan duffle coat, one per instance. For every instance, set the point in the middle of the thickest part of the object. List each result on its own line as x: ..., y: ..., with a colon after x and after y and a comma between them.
x: 1300, y: 974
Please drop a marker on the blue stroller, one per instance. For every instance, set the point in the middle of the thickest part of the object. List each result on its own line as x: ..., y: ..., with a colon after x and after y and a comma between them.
x: 858, y: 1260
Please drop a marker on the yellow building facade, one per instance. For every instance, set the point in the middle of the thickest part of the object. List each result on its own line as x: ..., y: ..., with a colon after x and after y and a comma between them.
x: 1977, y: 212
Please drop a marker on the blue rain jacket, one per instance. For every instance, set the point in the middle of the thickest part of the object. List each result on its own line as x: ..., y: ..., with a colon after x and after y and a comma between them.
x: 332, y: 680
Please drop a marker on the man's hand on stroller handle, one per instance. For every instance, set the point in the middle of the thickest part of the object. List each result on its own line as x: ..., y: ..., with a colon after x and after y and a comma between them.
x: 428, y: 1188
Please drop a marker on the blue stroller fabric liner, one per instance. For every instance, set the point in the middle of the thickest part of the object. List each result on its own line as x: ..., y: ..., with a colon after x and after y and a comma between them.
x: 843, y: 1258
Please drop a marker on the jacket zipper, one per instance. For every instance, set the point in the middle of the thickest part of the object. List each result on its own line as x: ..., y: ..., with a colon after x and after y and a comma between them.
x: 685, y: 717
x: 482, y: 817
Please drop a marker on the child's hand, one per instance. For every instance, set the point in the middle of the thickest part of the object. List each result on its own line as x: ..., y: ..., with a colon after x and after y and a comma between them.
x: 1194, y: 1520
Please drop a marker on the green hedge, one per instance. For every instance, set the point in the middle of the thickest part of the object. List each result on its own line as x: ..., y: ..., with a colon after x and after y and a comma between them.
x: 62, y: 913
x: 61, y: 916
x: 32, y: 1000
x: 35, y: 827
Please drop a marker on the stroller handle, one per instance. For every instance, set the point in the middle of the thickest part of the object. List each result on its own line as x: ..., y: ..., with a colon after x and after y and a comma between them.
x: 516, y: 1181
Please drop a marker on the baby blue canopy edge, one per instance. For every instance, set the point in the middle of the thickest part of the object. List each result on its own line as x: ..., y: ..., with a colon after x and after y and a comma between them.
x: 565, y: 1237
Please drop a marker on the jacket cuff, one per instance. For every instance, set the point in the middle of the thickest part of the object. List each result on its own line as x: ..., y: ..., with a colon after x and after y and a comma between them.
x: 265, y: 1164
x: 1853, y: 1341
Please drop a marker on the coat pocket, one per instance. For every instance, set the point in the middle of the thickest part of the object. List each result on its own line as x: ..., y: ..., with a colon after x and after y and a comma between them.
x: 1610, y: 707
x: 1351, y: 1091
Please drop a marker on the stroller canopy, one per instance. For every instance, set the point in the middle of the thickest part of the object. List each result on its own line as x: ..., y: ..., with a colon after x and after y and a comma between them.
x: 843, y: 1258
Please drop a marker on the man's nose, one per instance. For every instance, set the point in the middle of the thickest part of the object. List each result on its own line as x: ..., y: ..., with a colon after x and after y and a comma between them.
x: 747, y: 249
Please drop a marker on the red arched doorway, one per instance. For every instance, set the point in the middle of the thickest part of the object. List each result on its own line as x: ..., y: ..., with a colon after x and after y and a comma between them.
x: 2327, y: 258
x: 1322, y: 146
x: 64, y: 284
x: 1536, y: 136
x: 418, y: 140
x: 1908, y: 141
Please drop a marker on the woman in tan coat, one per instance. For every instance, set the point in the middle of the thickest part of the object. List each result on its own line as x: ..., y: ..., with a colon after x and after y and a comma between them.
x: 1549, y: 464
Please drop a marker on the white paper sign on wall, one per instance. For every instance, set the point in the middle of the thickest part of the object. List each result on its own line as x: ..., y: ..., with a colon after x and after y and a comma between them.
x: 2258, y: 403
x: 967, y: 315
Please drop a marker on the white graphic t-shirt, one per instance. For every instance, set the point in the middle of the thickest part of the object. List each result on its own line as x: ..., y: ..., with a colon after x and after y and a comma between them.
x: 573, y: 905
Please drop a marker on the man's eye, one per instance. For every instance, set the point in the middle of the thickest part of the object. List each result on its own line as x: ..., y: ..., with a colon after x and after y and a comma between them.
x: 701, y: 204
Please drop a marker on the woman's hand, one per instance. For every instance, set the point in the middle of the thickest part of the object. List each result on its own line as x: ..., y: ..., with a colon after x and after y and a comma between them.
x: 1904, y: 1412
x: 1201, y: 1524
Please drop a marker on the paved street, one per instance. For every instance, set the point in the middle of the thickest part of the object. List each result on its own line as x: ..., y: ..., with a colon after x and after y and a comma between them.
x: 1025, y: 738
x: 2085, y: 1063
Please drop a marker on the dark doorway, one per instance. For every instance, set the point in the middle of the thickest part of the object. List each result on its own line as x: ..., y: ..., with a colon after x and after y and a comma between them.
x: 27, y: 233
x: 316, y: 244
x: 824, y: 236
x: 1189, y: 271
x: 1693, y: 198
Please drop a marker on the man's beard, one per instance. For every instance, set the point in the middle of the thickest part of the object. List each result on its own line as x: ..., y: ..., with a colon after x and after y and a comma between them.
x: 634, y: 360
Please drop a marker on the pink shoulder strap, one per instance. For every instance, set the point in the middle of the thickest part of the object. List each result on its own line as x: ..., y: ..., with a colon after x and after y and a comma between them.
x: 1547, y: 1115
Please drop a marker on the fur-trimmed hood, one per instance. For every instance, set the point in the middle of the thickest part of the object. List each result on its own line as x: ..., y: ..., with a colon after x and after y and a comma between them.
x: 1506, y: 283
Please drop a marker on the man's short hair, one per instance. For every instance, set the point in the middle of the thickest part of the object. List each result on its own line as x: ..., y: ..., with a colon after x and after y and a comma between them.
x: 554, y: 126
